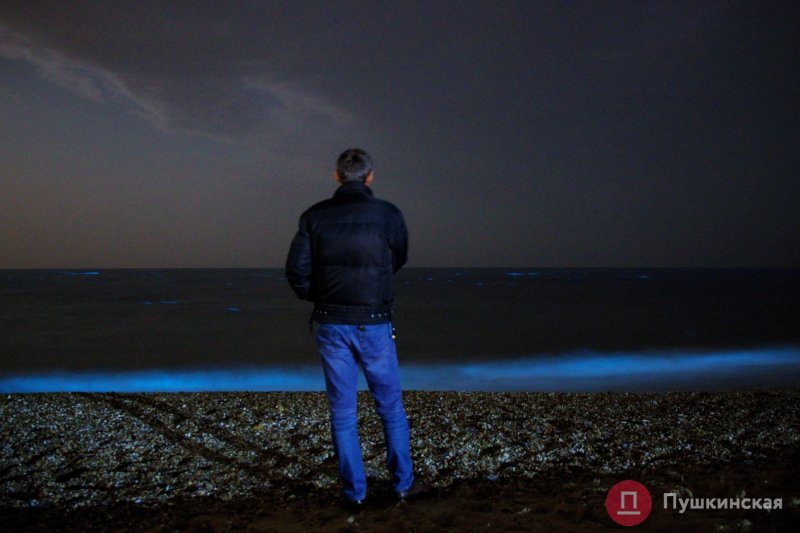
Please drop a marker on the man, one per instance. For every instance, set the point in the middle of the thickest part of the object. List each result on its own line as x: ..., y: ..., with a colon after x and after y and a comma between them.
x: 343, y: 259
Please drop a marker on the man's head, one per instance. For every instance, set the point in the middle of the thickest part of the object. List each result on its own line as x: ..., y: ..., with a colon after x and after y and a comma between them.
x: 354, y: 165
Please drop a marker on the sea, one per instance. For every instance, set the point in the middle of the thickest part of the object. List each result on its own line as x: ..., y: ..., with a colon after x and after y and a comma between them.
x: 499, y: 329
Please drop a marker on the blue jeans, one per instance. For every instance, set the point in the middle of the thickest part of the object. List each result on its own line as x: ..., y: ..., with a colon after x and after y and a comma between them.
x: 342, y: 347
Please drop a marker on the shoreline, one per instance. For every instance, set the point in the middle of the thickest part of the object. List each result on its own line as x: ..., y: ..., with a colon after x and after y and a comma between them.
x: 168, y: 458
x: 650, y: 371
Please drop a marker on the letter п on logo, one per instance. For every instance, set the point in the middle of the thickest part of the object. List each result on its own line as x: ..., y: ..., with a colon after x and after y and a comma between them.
x: 628, y: 503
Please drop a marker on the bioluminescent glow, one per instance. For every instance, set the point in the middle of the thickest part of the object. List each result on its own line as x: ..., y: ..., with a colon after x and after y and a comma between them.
x: 576, y: 372
x: 588, y: 371
x: 171, y: 380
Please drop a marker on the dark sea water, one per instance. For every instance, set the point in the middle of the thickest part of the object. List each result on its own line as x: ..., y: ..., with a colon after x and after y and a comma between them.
x: 458, y: 329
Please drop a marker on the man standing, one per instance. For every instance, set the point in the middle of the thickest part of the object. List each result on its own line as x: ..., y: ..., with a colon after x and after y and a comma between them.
x: 343, y: 259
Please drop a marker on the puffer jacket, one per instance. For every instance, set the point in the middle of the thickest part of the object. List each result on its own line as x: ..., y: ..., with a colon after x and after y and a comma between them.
x: 345, y: 254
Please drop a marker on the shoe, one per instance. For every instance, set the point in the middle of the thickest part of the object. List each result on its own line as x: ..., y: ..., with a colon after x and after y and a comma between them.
x: 417, y: 489
x: 353, y: 506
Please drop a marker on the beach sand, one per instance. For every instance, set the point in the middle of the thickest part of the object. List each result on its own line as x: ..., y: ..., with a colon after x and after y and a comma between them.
x: 504, y: 461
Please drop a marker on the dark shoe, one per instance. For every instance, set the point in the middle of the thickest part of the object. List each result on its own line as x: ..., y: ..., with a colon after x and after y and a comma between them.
x: 353, y: 506
x: 417, y: 489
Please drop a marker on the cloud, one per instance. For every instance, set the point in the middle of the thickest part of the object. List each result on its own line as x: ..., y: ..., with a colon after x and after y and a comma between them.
x: 82, y: 79
x: 293, y: 107
x: 81, y: 76
x: 221, y: 95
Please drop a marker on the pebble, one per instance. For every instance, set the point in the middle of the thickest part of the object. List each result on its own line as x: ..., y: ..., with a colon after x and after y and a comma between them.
x: 76, y: 449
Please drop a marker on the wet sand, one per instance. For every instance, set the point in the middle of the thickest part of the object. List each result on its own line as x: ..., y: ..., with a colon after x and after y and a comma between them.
x: 505, y: 461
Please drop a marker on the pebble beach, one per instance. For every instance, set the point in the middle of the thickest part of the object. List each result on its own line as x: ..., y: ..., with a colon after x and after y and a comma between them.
x: 263, y: 461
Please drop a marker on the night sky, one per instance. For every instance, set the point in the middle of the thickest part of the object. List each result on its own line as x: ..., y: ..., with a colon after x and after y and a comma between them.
x: 548, y: 134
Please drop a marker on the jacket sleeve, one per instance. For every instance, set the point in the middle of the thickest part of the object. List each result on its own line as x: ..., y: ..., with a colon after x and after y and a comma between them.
x: 299, y: 261
x: 399, y: 242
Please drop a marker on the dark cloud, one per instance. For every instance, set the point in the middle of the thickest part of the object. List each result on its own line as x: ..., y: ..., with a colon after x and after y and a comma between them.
x: 181, y: 67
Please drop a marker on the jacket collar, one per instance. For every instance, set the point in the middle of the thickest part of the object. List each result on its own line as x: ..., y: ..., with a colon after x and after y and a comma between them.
x: 353, y: 187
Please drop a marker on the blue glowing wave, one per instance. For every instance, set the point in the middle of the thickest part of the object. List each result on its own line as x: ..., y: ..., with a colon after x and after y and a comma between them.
x: 581, y: 371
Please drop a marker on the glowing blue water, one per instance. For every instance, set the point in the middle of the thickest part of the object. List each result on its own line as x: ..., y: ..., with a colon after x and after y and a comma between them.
x: 580, y: 371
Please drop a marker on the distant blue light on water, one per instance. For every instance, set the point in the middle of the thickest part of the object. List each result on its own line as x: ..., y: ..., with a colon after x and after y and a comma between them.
x: 576, y: 372
x: 167, y: 380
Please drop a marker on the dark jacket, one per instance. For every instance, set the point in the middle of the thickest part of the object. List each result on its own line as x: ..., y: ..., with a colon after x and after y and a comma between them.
x: 345, y: 254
